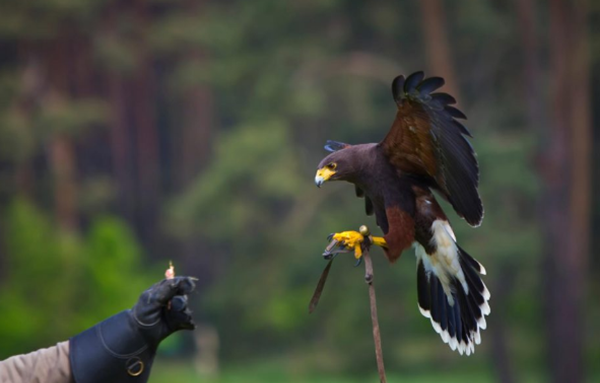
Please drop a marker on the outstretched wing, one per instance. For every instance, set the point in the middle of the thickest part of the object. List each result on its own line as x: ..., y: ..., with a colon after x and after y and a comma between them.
x: 426, y: 140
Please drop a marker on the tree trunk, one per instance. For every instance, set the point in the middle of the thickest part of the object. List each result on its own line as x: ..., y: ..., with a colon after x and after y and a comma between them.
x: 197, y: 131
x: 62, y: 152
x: 526, y: 15
x: 498, y: 329
x: 119, y: 127
x: 62, y: 157
x: 120, y: 144
x: 581, y: 128
x: 147, y: 148
x: 439, y: 58
x: 194, y: 149
x: 566, y: 172
x: 26, y: 104
x: 194, y: 144
x: 146, y: 134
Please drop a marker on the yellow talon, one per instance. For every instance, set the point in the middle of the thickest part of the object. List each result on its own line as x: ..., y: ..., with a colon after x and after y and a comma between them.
x: 379, y: 241
x: 349, y: 238
x: 352, y: 240
x: 357, y: 252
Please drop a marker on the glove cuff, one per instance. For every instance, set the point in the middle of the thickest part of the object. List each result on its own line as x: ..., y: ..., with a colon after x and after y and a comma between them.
x: 112, y: 351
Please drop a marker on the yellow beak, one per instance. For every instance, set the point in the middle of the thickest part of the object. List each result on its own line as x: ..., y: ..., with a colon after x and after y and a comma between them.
x: 323, y: 174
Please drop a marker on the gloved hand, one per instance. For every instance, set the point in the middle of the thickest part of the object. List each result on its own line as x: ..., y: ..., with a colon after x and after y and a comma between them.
x: 162, y: 309
x: 122, y: 348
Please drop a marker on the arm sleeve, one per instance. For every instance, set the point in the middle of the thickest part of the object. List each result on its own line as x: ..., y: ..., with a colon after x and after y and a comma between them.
x: 48, y: 365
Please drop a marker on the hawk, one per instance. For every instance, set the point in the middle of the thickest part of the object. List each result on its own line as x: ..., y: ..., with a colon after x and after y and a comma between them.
x: 425, y: 150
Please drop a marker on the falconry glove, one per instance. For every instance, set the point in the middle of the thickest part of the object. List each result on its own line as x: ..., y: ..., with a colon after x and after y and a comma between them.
x: 122, y: 348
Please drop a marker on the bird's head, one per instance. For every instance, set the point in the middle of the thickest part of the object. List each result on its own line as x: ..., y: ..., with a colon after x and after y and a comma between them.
x: 338, y: 166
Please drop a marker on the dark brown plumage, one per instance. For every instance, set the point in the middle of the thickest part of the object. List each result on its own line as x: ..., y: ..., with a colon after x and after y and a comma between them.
x: 425, y: 149
x: 427, y: 140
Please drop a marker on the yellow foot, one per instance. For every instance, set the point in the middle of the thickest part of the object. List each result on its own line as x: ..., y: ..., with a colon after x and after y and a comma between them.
x: 379, y: 241
x: 352, y: 240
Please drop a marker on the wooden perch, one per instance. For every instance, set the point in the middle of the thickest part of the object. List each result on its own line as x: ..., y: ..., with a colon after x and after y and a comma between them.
x: 369, y: 276
x: 330, y: 252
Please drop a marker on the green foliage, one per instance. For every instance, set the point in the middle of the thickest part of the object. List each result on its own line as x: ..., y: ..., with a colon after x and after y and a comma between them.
x: 42, y: 19
x: 113, y: 268
x: 71, y: 117
x: 286, y: 371
x: 281, y: 78
x: 283, y: 92
x: 252, y: 172
x: 56, y: 283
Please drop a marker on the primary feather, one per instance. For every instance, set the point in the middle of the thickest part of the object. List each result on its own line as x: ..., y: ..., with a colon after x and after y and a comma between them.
x: 427, y: 140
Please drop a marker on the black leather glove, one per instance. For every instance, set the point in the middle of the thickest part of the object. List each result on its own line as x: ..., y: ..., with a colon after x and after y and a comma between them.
x: 122, y: 348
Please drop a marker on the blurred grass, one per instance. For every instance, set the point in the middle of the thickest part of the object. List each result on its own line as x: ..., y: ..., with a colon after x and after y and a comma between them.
x: 276, y: 372
x: 181, y: 372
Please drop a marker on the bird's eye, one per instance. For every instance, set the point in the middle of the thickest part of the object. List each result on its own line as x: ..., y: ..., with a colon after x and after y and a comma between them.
x: 332, y: 166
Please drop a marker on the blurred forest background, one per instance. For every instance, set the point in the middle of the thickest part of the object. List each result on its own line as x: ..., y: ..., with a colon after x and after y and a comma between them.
x: 137, y: 132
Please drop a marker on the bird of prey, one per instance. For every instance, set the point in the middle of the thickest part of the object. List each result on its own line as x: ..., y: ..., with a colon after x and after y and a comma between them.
x: 425, y: 150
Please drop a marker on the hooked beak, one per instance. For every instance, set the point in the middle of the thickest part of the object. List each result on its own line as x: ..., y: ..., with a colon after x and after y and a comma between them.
x: 323, y: 174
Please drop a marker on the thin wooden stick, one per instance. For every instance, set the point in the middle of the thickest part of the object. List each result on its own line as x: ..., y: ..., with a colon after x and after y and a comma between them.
x: 376, y: 335
x: 314, y: 301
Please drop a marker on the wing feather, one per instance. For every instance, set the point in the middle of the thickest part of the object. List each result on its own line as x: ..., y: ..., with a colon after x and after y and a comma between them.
x: 412, y: 81
x: 429, y: 85
x: 368, y: 203
x: 443, y: 98
x: 369, y: 206
x: 427, y: 140
x: 334, y: 146
x: 455, y: 113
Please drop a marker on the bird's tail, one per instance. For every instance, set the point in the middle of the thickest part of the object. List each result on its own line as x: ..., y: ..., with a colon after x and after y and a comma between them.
x: 452, y: 294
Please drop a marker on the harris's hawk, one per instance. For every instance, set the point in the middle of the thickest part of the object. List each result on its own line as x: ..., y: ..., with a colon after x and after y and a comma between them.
x: 425, y: 150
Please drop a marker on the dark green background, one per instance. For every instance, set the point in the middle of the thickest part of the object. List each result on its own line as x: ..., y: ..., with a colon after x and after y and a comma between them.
x: 137, y: 132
